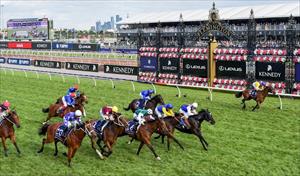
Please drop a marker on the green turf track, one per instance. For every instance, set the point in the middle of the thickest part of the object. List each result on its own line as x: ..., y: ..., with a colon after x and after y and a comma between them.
x: 266, y: 142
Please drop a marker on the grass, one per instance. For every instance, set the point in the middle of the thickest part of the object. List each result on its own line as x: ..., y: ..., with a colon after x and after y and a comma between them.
x: 266, y: 142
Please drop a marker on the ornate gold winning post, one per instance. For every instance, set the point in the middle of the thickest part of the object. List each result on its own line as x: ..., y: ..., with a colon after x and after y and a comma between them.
x: 211, y: 62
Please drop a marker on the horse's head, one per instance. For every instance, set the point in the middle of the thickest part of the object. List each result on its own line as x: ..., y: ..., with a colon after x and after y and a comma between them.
x: 89, y: 130
x: 270, y: 89
x: 13, y: 118
x: 158, y: 99
x: 206, y: 115
x: 82, y: 98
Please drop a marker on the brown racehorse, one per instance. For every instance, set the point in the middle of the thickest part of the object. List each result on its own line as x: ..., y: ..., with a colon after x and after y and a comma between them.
x: 260, y: 96
x: 73, y: 140
x: 144, y: 133
x: 79, y: 105
x: 7, y: 130
x: 195, y: 122
x: 111, y: 132
x: 151, y: 104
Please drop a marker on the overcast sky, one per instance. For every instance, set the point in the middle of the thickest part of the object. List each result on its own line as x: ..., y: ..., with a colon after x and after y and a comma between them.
x: 82, y: 14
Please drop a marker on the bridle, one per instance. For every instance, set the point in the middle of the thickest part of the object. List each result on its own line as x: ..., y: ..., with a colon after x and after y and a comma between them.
x: 9, y: 120
x: 119, y: 122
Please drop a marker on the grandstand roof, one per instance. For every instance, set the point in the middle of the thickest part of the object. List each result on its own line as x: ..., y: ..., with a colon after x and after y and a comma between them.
x: 226, y: 13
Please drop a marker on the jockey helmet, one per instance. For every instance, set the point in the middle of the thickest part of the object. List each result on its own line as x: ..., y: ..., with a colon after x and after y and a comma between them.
x: 262, y: 83
x: 115, y: 109
x: 106, y: 110
x: 78, y: 113
x: 150, y: 111
x: 169, y: 106
x: 195, y: 105
x: 151, y: 91
x: 6, y: 103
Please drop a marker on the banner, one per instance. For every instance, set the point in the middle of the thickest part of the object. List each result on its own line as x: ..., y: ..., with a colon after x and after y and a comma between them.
x: 63, y: 46
x: 82, y: 66
x: 231, y: 69
x: 117, y: 69
x: 270, y: 71
x: 48, y: 64
x: 41, y: 45
x: 19, y: 45
x: 2, y: 60
x: 297, y: 72
x: 85, y: 47
x: 148, y: 64
x: 18, y: 61
x: 195, y: 67
x: 169, y: 65
x: 127, y: 51
x: 3, y: 44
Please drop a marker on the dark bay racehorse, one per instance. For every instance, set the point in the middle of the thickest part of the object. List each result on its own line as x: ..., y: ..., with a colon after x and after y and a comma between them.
x: 111, y: 132
x: 73, y: 140
x: 260, y: 96
x: 7, y: 130
x: 151, y: 104
x: 195, y: 122
x: 144, y: 133
x: 79, y: 105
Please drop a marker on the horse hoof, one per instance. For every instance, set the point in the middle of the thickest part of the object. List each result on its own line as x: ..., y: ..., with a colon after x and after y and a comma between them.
x: 65, y: 154
x: 129, y: 142
x: 43, y: 123
x: 158, y: 158
x: 39, y: 151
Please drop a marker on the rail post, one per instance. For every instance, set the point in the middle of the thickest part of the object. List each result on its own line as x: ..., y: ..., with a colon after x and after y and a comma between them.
x: 133, y: 87
x: 37, y: 75
x: 50, y: 78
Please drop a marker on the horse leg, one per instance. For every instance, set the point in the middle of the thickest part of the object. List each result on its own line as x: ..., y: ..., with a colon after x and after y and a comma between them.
x: 13, y: 139
x: 243, y: 102
x: 199, y: 135
x: 56, y: 149
x: 140, y: 147
x: 163, y: 139
x: 42, y: 148
x: 168, y: 143
x: 170, y: 136
x: 153, y: 151
x: 131, y: 140
x: 70, y: 153
x: 255, y: 106
x: 4, y: 146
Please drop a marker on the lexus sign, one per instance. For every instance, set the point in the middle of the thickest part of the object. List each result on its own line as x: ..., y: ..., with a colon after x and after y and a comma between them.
x: 270, y: 71
x: 231, y: 69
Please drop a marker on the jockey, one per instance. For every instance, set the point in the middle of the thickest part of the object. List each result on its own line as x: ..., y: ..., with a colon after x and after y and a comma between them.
x: 4, y: 109
x: 258, y: 86
x: 73, y: 89
x: 186, y: 111
x: 68, y: 100
x: 106, y: 113
x: 72, y: 119
x: 146, y: 95
x: 164, y: 111
x: 139, y: 115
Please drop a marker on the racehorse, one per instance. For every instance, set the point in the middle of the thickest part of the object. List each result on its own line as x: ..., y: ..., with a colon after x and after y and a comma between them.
x: 151, y: 104
x: 144, y: 133
x: 7, y: 130
x: 79, y: 105
x: 111, y: 132
x: 260, y: 96
x: 195, y: 122
x: 72, y: 141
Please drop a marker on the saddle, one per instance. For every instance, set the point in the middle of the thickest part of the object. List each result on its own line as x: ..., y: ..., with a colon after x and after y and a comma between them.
x: 132, y: 127
x: 98, y: 126
x: 140, y: 103
x: 61, y: 133
x: 253, y: 93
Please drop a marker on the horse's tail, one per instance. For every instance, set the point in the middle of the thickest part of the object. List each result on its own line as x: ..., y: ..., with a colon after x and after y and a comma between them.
x: 127, y: 109
x: 45, y: 110
x: 43, y: 129
x: 239, y: 94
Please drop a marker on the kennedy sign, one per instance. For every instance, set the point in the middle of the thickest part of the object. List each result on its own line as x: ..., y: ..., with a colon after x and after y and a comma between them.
x: 117, y: 69
x: 195, y: 67
x: 41, y: 45
x: 18, y: 61
x: 169, y: 65
x: 148, y: 64
x: 270, y: 71
x: 48, y: 64
x: 232, y: 69
x: 82, y: 66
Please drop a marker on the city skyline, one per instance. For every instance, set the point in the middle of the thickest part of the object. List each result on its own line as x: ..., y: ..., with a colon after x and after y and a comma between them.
x: 84, y: 14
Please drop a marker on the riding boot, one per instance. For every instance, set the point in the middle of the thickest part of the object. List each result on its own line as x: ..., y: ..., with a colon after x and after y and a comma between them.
x: 187, y: 123
x: 60, y: 110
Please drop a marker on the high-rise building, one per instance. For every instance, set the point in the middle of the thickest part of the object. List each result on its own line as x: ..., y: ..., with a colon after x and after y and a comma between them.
x: 118, y: 18
x: 98, y: 26
x: 93, y: 28
x: 112, y: 22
